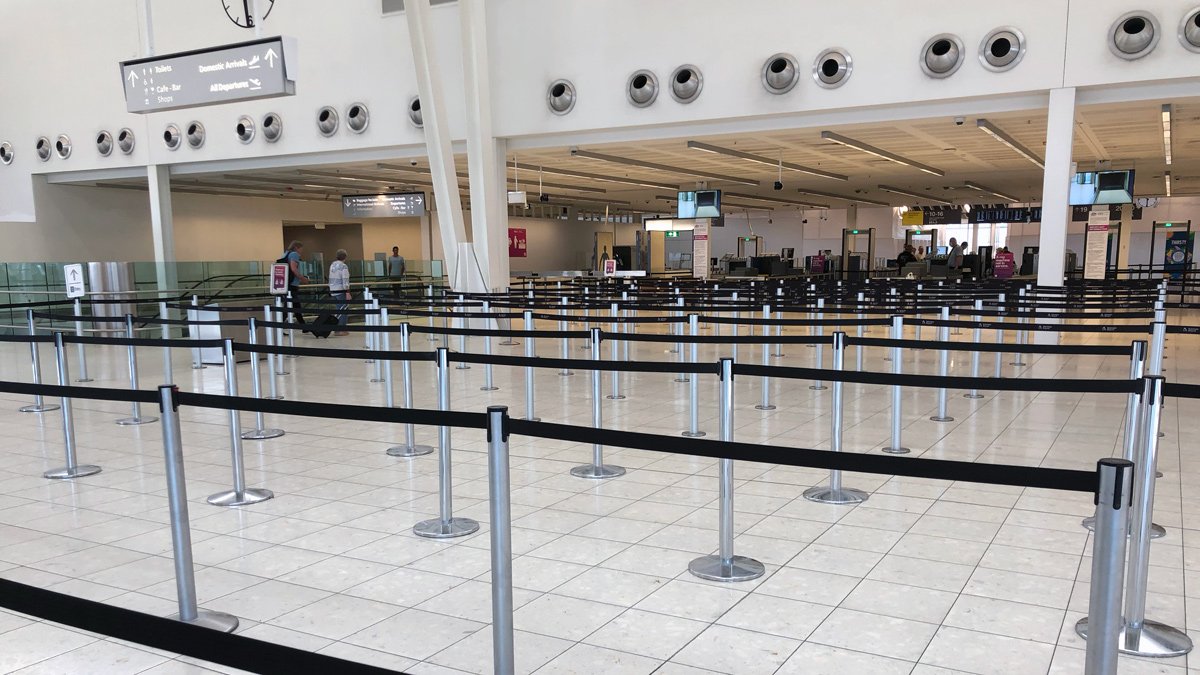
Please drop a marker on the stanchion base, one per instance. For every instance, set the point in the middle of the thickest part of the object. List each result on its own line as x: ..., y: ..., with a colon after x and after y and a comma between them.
x: 245, y: 498
x: 935, y: 418
x: 598, y: 472
x: 85, y: 379
x: 1155, y: 640
x: 261, y: 434
x: 694, y: 434
x: 566, y: 373
x: 38, y: 408
x: 615, y: 397
x: 462, y: 366
x: 972, y: 395
x: 780, y: 356
x: 199, y: 367
x: 66, y: 472
x: 273, y: 398
x: 291, y: 356
x: 737, y: 568
x: 376, y: 380
x: 436, y: 528
x: 532, y: 419
x: 682, y: 379
x: 488, y: 388
x: 409, y: 450
x: 828, y: 495
x: 817, y: 387
x: 764, y: 407
x: 135, y: 421
x: 281, y: 373
x: 1156, y: 531
x: 897, y: 451
x: 1018, y: 363
x: 226, y: 623
x: 509, y: 343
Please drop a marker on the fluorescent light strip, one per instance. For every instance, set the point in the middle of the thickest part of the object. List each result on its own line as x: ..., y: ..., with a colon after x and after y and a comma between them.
x: 990, y: 191
x: 662, y: 167
x: 463, y: 174
x: 774, y: 200
x: 705, y: 147
x: 586, y: 200
x: 996, y: 133
x: 845, y: 198
x: 1166, y: 127
x: 880, y: 153
x: 1167, y: 180
x: 915, y: 195
x: 737, y: 205
x: 593, y: 176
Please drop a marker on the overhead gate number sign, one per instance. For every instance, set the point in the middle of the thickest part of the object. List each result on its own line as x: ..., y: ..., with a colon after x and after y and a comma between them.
x: 237, y: 72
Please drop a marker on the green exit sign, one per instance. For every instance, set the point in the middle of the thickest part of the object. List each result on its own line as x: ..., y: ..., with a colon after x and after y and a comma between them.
x: 853, y: 231
x: 671, y: 234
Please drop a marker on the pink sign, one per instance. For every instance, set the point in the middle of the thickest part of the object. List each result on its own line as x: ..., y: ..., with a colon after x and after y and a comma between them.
x: 516, y: 242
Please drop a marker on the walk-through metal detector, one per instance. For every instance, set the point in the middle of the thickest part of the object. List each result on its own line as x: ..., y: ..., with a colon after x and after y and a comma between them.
x: 858, y: 252
x: 750, y: 247
x: 1157, y: 255
x: 910, y: 237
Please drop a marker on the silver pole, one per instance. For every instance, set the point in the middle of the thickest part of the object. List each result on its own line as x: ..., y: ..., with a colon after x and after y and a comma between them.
x: 1000, y: 340
x: 272, y: 386
x: 896, y: 447
x: 683, y: 377
x: 500, y: 512
x: 725, y: 566
x: 977, y: 338
x: 80, y: 347
x: 168, y: 370
x: 778, y: 327
x: 133, y: 380
x: 597, y: 469
x: 943, y: 369
x: 765, y: 404
x: 737, y: 328
x: 280, y: 366
x: 445, y: 526
x: 72, y: 469
x: 1021, y: 333
x: 529, y: 354
x: 432, y: 336
x: 835, y: 493
x: 566, y: 346
x: 463, y: 322
x: 410, y: 447
x: 39, y: 403
x: 629, y: 327
x: 260, y: 431
x: 240, y: 495
x: 181, y: 531
x: 1158, y: 338
x: 488, y: 383
x: 858, y: 349
x: 197, y: 362
x: 375, y: 342
x: 616, y: 394
x: 1103, y: 622
x: 694, y: 386
x: 819, y: 331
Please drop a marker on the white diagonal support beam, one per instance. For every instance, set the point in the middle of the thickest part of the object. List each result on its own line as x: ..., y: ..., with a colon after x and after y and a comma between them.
x: 1056, y: 182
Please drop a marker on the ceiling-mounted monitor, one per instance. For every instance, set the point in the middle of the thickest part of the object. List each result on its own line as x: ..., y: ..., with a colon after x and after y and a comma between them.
x: 1101, y: 187
x: 699, y: 204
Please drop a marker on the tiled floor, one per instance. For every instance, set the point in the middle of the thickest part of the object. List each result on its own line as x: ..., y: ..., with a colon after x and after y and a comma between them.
x: 925, y: 577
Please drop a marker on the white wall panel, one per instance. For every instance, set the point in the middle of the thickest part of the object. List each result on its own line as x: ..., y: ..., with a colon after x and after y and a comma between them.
x: 1089, y: 62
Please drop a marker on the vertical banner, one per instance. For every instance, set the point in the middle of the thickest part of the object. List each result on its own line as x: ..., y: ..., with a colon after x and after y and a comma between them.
x: 279, y: 279
x: 516, y: 242
x: 1095, y: 248
x: 1178, y: 254
x: 700, y: 249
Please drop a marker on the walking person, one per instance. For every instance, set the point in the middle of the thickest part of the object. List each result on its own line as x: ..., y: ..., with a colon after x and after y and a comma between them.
x: 292, y: 257
x: 339, y: 288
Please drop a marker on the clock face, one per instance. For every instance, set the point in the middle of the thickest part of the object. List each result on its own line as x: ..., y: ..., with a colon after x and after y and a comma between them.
x: 240, y: 13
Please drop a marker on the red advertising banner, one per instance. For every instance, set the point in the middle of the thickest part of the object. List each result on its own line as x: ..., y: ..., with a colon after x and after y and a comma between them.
x: 516, y: 242
x: 279, y: 279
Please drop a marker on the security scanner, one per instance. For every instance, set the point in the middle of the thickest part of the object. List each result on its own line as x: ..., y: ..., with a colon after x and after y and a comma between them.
x: 749, y: 247
x: 927, y: 237
x: 1029, y: 261
x: 858, y: 252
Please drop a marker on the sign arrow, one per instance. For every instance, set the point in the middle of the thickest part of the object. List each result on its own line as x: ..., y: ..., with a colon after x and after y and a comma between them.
x: 74, y: 275
x: 132, y: 77
x: 271, y: 56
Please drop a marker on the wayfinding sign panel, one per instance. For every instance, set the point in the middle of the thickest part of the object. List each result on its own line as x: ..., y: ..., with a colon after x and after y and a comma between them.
x: 237, y: 72
x: 74, y: 278
x: 392, y: 205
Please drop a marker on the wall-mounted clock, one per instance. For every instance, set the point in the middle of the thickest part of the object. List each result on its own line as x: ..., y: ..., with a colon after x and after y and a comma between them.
x: 239, y: 12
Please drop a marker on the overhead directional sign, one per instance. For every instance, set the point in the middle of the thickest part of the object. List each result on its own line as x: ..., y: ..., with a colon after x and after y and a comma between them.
x: 74, y: 277
x: 392, y: 205
x: 238, y: 72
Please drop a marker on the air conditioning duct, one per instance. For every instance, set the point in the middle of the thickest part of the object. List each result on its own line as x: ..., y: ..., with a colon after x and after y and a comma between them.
x: 104, y: 143
x: 62, y: 146
x: 272, y: 127
x: 832, y: 68
x: 1133, y: 35
x: 642, y: 88
x: 560, y: 97
x: 42, y: 147
x: 414, y: 112
x: 1002, y: 49
x: 125, y: 141
x: 171, y: 137
x: 244, y: 129
x: 686, y: 83
x: 195, y: 135
x: 1189, y: 31
x: 780, y: 73
x: 327, y: 121
x: 941, y: 55
x: 6, y: 153
x: 358, y: 117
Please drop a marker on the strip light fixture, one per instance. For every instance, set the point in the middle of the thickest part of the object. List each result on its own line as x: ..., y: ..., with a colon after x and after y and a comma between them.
x: 1166, y: 126
x: 774, y: 200
x: 724, y: 202
x: 987, y: 190
x: 599, y: 177
x: 915, y: 195
x: 463, y: 174
x: 880, y: 153
x: 998, y: 134
x: 587, y: 154
x: 759, y: 159
x: 845, y: 198
x: 1167, y: 180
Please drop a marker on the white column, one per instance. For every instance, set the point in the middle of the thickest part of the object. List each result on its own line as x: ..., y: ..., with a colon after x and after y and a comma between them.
x: 437, y: 134
x: 1126, y: 235
x: 1052, y: 240
x: 162, y: 224
x: 485, y: 153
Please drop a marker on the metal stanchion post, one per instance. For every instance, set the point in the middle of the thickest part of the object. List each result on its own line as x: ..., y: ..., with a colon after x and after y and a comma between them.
x: 943, y: 370
x: 240, y: 495
x: 683, y: 377
x: 1103, y: 622
x: 197, y: 364
x: 778, y: 327
x: 272, y: 385
x: 896, y: 447
x: 429, y: 306
x: 597, y: 469
x: 836, y: 493
x: 488, y: 383
x: 463, y: 322
x: 445, y: 526
x: 819, y: 331
x: 628, y: 326
x: 1000, y: 340
x: 181, y: 530
x: 566, y: 346
x: 410, y: 447
x: 291, y: 331
x: 500, y: 512
x: 859, y: 331
x: 529, y: 354
x: 977, y: 338
x: 137, y: 418
x: 280, y: 366
x: 766, y: 361
x: 1140, y: 636
x: 379, y: 323
x: 80, y: 347
x: 260, y: 431
x: 168, y: 370
x: 616, y: 394
x: 1018, y: 361
x: 694, y: 387
x: 39, y: 403
x: 725, y: 566
x: 1158, y: 336
x: 736, y: 327
x: 72, y: 469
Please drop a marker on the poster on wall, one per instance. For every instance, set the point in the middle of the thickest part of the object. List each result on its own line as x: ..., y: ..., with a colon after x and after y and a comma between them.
x: 1095, y: 248
x: 516, y: 242
x: 700, y: 250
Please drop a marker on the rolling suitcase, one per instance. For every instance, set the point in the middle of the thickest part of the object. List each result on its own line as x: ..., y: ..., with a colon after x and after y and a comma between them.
x: 325, y: 324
